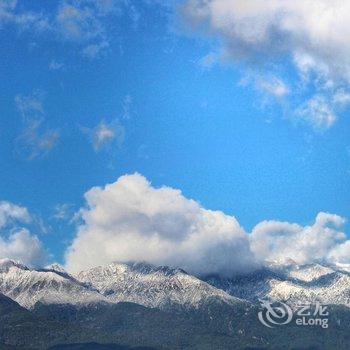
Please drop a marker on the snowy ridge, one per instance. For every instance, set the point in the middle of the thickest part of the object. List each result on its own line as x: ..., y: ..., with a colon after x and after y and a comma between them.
x: 151, y: 286
x: 141, y: 283
x: 313, y: 283
x: 167, y: 288
x: 290, y: 282
x: 28, y: 286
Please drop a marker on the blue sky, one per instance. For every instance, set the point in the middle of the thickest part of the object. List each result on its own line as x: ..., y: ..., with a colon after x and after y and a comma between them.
x: 92, y: 91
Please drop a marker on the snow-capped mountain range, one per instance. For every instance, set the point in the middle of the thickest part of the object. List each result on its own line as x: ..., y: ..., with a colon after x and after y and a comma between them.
x: 141, y: 283
x: 290, y: 282
x: 165, y: 288
x: 28, y: 286
x: 161, y: 287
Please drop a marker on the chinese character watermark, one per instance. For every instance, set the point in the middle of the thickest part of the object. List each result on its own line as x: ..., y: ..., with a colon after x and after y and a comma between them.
x: 277, y: 313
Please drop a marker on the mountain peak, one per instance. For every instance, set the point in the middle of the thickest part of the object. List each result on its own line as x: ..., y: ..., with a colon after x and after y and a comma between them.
x: 152, y: 286
x: 6, y: 264
x: 146, y: 268
x: 56, y: 267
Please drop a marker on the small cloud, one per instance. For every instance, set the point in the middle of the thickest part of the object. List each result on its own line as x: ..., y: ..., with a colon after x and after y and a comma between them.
x: 127, y: 105
x: 341, y: 98
x: 95, y: 50
x: 17, y: 242
x: 31, y: 105
x: 82, y: 23
x: 35, y: 140
x: 317, y: 112
x: 63, y: 212
x: 209, y: 60
x: 273, y: 86
x: 105, y: 134
x: 10, y: 212
x: 21, y: 245
x: 48, y: 140
x: 54, y: 65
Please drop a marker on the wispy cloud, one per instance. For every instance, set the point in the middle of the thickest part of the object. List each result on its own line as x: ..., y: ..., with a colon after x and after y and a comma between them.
x: 127, y: 107
x: 273, y: 86
x: 85, y: 23
x: 318, y: 112
x: 10, y: 212
x: 35, y: 140
x: 105, y: 134
x: 63, y: 212
x: 55, y: 65
x: 209, y: 60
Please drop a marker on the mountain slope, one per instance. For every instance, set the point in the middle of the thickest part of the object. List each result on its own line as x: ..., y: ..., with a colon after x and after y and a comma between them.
x: 27, y: 286
x: 151, y: 286
x: 182, y: 311
x: 293, y: 283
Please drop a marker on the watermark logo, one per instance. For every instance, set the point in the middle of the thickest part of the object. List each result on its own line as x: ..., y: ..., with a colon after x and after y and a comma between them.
x: 273, y: 314
x: 276, y: 313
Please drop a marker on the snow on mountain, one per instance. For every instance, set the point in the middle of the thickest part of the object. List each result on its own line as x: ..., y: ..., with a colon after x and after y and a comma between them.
x: 28, y: 286
x: 163, y: 287
x: 141, y: 283
x: 313, y: 283
x: 151, y: 286
x: 308, y: 273
x: 290, y: 282
x: 56, y: 267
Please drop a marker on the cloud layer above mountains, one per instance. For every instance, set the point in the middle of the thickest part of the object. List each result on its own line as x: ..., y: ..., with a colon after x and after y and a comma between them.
x: 132, y: 220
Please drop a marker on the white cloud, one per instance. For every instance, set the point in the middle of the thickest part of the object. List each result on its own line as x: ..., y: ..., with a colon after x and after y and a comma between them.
x: 274, y: 240
x: 54, y: 65
x: 273, y: 86
x: 10, y: 212
x: 209, y: 60
x: 127, y: 105
x: 131, y: 220
x: 311, y: 35
x: 105, y: 134
x: 249, y: 28
x: 341, y: 98
x: 85, y: 23
x: 35, y: 140
x: 16, y: 242
x: 24, y: 247
x: 25, y: 20
x: 318, y: 112
x: 341, y: 253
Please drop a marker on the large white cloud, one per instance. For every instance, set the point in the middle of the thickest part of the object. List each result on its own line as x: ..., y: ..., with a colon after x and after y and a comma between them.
x: 312, y: 35
x: 131, y: 220
x: 281, y: 241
